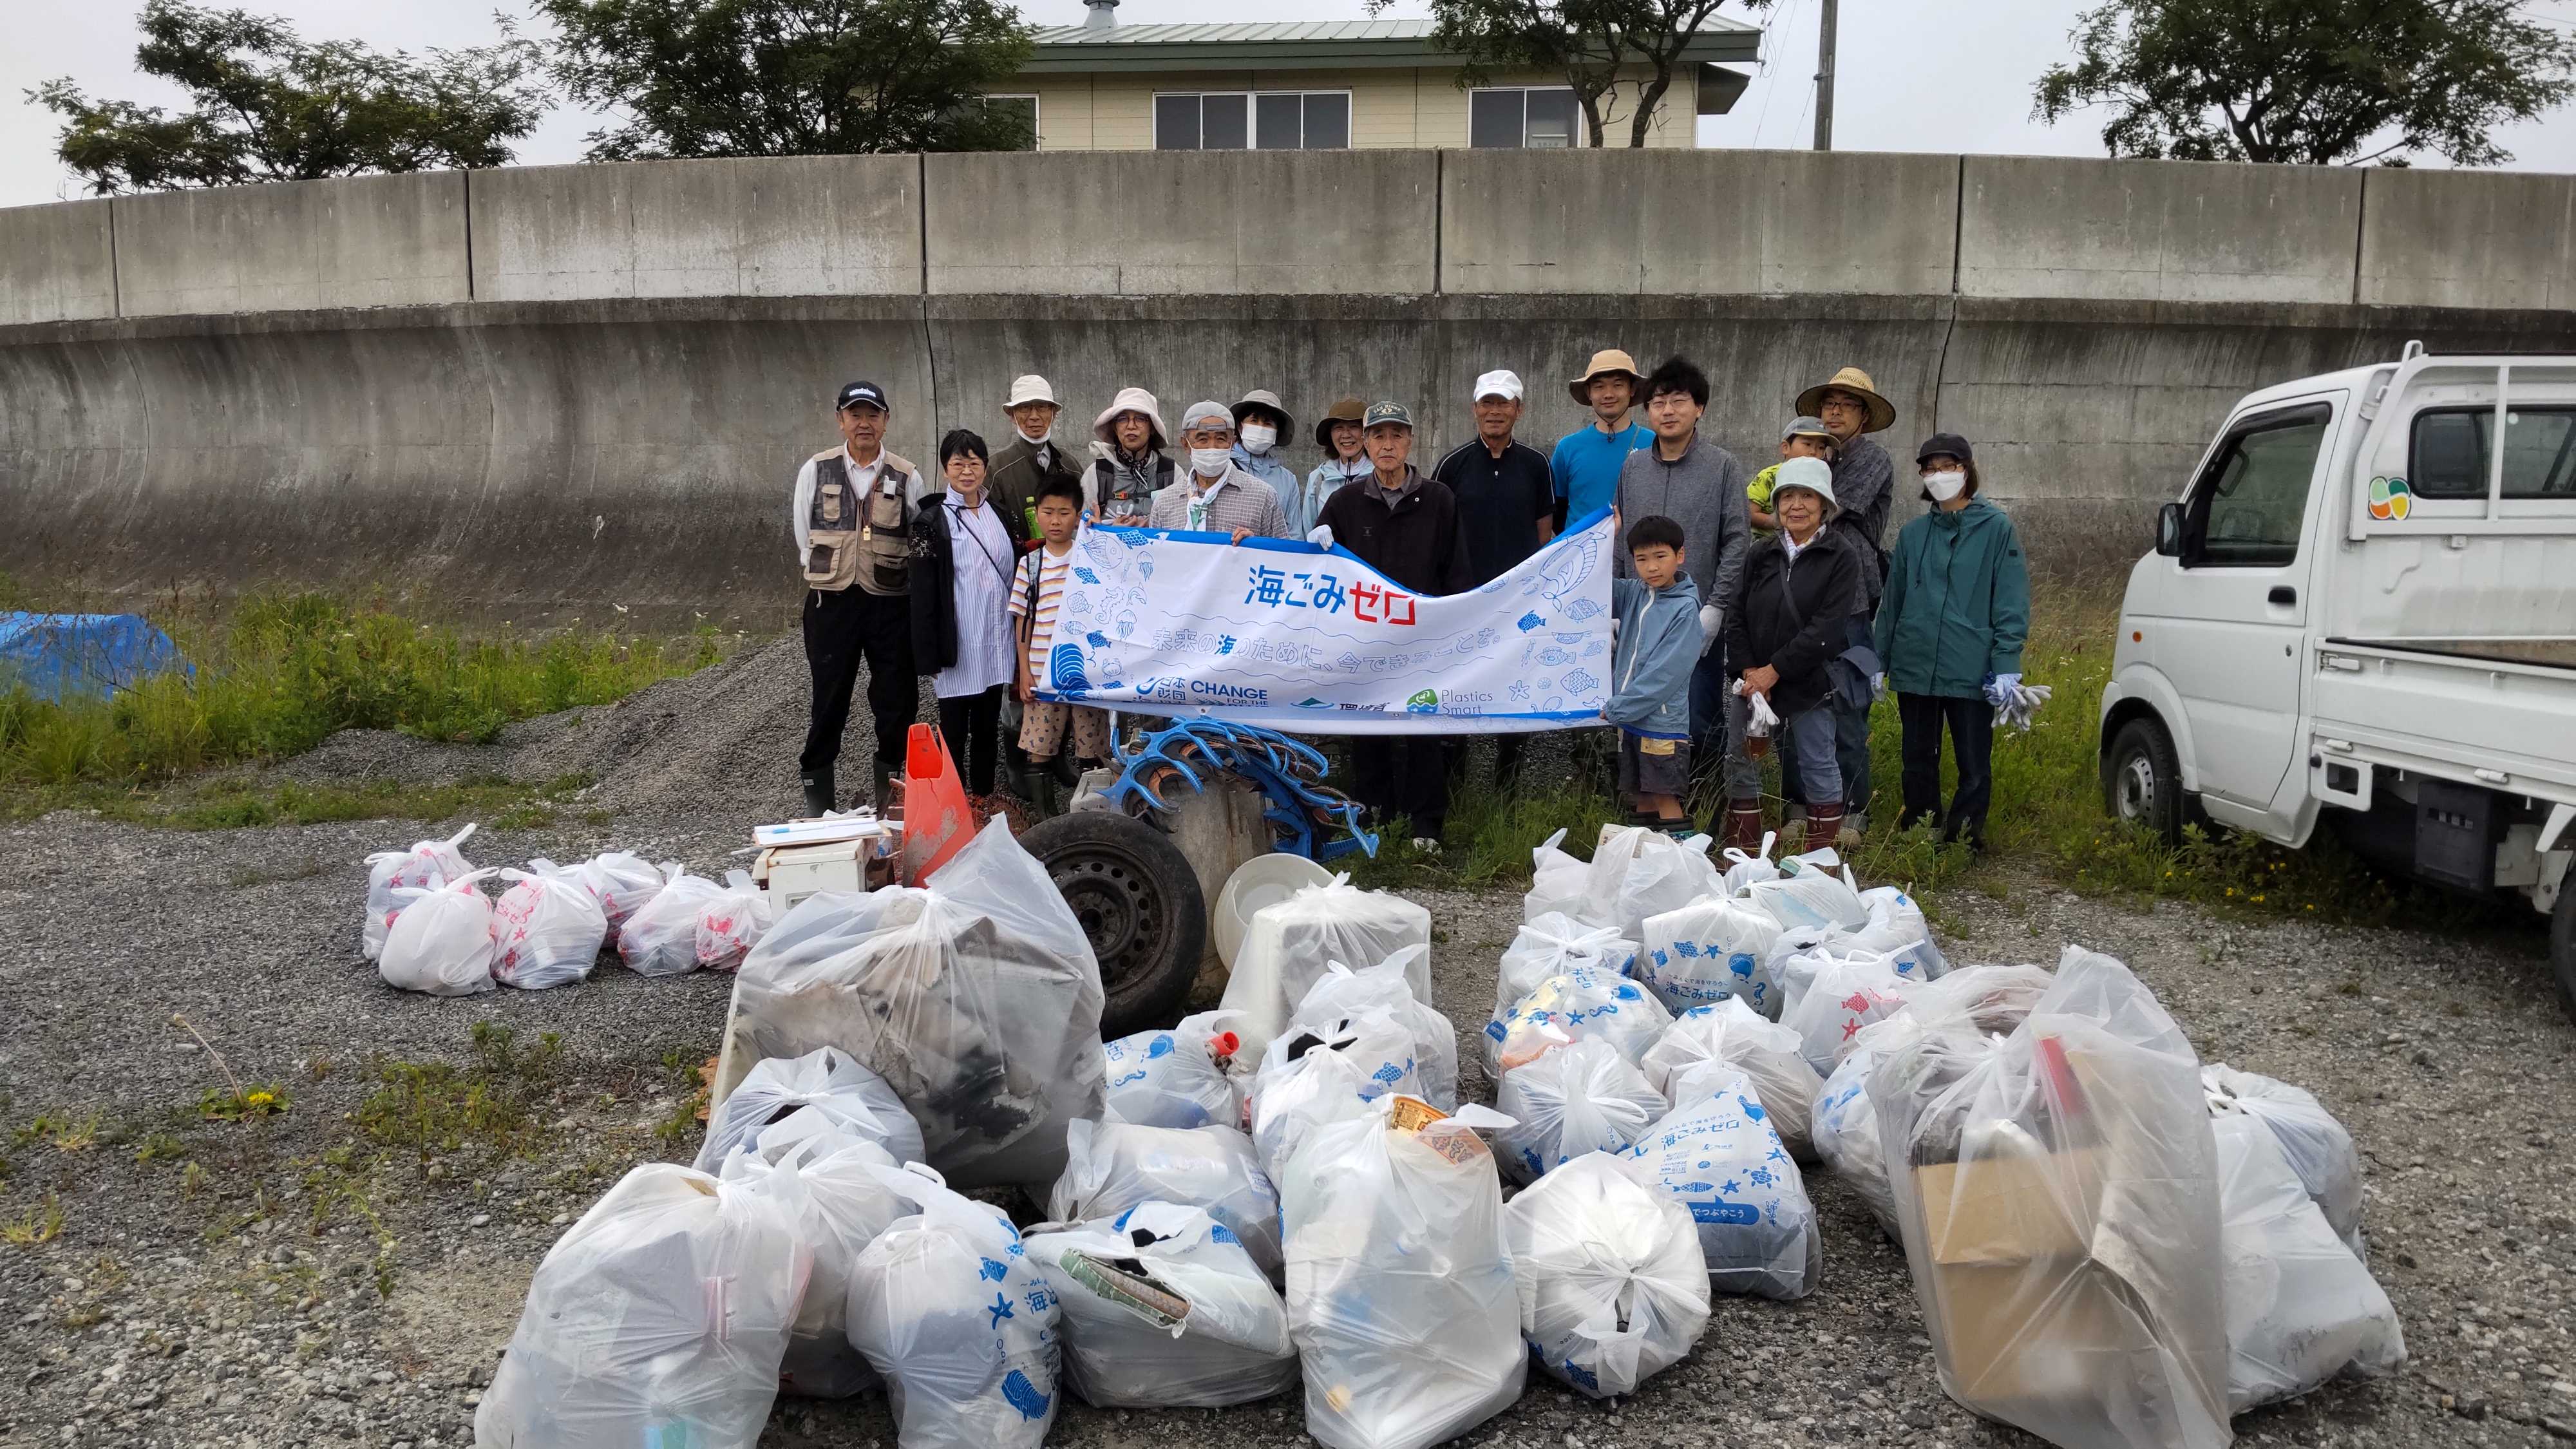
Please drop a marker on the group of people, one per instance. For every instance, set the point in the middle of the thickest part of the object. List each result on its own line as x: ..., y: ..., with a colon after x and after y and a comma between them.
x: 1754, y: 610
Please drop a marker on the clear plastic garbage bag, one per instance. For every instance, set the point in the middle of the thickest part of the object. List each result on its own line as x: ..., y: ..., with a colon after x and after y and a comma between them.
x: 1552, y: 944
x: 1710, y: 950
x: 1639, y: 871
x: 1305, y: 1082
x: 1174, y: 1078
x: 1556, y: 882
x: 1813, y: 896
x: 2300, y: 1307
x: 1581, y: 1003
x: 1577, y: 1098
x: 660, y: 1318
x: 1613, y: 1288
x: 1770, y: 1054
x: 1288, y: 945
x: 547, y: 928
x: 948, y: 1308
x: 428, y: 865
x: 1848, y: 993
x: 441, y: 941
x: 661, y: 937
x: 1163, y: 1308
x: 832, y: 1188
x: 2057, y: 1194
x: 1111, y: 1167
x: 1716, y: 1154
x: 2319, y: 1150
x: 1896, y: 929
x: 1400, y: 1292
x: 1342, y: 994
x: 829, y: 1081
x: 976, y: 997
x: 622, y: 881
x: 732, y: 923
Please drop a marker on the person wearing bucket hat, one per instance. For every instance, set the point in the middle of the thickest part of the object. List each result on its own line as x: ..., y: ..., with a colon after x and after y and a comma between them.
x: 1585, y: 464
x: 1129, y: 465
x: 1850, y: 406
x: 1951, y: 627
x: 851, y: 517
x: 1338, y: 433
x: 1260, y: 425
x: 1784, y: 639
x: 1033, y: 455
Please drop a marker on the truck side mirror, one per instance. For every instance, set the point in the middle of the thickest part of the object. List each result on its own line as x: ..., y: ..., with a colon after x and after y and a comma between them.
x: 2169, y: 530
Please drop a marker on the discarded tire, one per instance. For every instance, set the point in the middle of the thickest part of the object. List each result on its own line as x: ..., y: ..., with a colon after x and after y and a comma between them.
x: 1139, y: 903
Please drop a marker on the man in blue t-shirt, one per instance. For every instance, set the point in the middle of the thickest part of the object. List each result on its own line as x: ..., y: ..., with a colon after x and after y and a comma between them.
x: 1585, y: 466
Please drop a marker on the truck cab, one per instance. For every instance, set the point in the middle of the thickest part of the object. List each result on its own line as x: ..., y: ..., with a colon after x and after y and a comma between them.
x: 2361, y: 613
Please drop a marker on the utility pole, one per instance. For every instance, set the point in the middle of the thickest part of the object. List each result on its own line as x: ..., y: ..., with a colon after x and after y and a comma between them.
x: 1825, y: 78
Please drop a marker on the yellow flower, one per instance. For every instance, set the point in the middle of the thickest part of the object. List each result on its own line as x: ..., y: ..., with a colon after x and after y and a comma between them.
x: 261, y: 1099
x: 2312, y: 905
x: 2258, y: 900
x: 2231, y: 890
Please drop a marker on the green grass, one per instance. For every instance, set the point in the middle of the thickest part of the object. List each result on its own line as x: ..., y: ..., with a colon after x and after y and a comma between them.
x: 438, y: 1107
x: 234, y: 804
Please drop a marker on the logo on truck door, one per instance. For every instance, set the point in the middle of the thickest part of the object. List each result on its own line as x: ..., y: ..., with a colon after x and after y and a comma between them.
x: 2389, y: 498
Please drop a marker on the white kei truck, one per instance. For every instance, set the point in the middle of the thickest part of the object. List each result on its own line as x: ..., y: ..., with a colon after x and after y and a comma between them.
x: 2362, y: 614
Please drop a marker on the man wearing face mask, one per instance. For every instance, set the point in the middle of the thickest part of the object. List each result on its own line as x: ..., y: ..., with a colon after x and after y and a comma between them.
x: 1032, y: 456
x: 1259, y: 423
x: 1214, y: 495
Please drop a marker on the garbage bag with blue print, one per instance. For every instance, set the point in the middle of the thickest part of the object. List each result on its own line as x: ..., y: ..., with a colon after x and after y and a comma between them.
x: 1400, y: 1292
x: 1613, y: 1287
x: 1577, y: 1098
x: 2319, y: 1150
x: 1716, y: 1154
x: 1344, y: 995
x: 1162, y: 1308
x: 1111, y: 1167
x: 829, y: 1081
x: 1812, y: 895
x: 948, y: 1308
x: 1638, y: 872
x: 1710, y: 950
x: 660, y: 1318
x: 1551, y: 945
x: 1732, y: 1032
x: 1174, y: 1078
x: 830, y: 1184
x: 1896, y: 929
x: 1584, y: 1002
x: 2301, y: 1308
x: 1846, y: 993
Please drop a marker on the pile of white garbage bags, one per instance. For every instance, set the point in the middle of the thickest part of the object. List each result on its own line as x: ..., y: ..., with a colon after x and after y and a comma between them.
x: 1579, y: 1098
x: 832, y: 1186
x: 976, y: 997
x: 1613, y: 1288
x: 693, y: 922
x: 855, y: 1101
x: 1288, y: 945
x: 428, y: 865
x: 1716, y: 1154
x: 1163, y: 1308
x: 1174, y: 1078
x: 1732, y: 1033
x: 1111, y: 1167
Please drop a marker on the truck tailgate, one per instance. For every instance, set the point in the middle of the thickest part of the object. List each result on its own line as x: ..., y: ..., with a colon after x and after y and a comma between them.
x: 2439, y: 710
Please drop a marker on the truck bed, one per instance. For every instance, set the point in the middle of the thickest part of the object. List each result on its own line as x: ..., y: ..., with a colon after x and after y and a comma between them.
x: 2497, y: 711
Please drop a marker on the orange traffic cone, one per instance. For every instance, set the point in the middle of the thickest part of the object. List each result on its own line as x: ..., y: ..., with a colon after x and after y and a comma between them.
x: 936, y: 822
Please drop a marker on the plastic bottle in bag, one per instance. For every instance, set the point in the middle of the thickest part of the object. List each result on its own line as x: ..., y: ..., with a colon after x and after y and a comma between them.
x: 1342, y: 994
x: 1716, y: 1154
x: 1710, y: 950
x: 831, y: 1187
x: 441, y: 941
x: 830, y: 1082
x: 1613, y: 1288
x: 1766, y: 1052
x: 1163, y: 1308
x: 428, y: 865
x: 1288, y: 945
x: 1578, y: 1004
x: 1110, y: 1168
x: 731, y: 923
x: 1577, y: 1098
x: 547, y: 928
x: 661, y: 937
x: 1174, y: 1078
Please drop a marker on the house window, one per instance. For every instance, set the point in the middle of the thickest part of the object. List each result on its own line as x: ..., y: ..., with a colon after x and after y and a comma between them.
x: 1256, y: 120
x: 1024, y: 107
x: 1541, y: 118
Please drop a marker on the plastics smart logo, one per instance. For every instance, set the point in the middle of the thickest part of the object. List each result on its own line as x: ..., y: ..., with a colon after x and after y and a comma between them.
x: 2390, y: 498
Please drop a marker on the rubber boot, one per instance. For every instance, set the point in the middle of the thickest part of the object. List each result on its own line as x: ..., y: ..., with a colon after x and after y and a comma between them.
x: 818, y: 793
x: 1018, y: 778
x: 1824, y: 825
x: 1743, y: 828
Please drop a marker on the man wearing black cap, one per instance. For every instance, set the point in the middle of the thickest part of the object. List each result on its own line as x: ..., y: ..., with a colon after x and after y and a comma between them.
x: 852, y: 518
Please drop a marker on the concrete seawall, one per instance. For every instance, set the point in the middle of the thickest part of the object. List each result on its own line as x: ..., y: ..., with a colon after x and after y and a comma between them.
x: 531, y: 394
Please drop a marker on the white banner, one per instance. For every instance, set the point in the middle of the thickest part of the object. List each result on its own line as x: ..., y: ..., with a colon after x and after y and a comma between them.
x: 1300, y: 638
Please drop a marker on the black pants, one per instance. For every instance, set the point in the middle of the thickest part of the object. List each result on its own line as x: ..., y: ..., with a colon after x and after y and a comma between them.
x: 842, y: 629
x: 1404, y: 775
x: 1507, y: 756
x: 972, y: 724
x: 1971, y: 723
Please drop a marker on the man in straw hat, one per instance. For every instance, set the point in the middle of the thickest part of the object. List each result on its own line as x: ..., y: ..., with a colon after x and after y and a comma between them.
x: 1586, y: 463
x: 1033, y: 455
x: 1783, y: 629
x: 1850, y: 407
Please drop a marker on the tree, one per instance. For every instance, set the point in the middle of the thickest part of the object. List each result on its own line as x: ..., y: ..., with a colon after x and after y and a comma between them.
x: 791, y: 77
x: 2313, y: 81
x: 267, y: 106
x: 1589, y: 42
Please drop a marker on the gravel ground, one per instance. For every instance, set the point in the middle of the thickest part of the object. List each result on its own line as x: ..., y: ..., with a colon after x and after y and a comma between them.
x: 290, y: 1281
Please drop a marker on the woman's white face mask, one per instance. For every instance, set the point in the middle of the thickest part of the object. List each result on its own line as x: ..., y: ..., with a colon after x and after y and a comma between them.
x: 1258, y: 438
x: 1944, y: 486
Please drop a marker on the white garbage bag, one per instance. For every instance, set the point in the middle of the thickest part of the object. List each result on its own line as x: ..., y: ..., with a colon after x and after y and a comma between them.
x: 1813, y: 896
x: 660, y: 1318
x: 1843, y: 1128
x: 1717, y: 1155
x: 622, y: 881
x: 1111, y: 1167
x: 1742, y: 870
x: 733, y: 922
x: 1639, y: 871
x: 2319, y: 1150
x: 2300, y: 1307
x: 1288, y: 945
x: 1732, y: 1032
x: 428, y: 865
x: 1613, y: 1288
x: 1174, y: 1078
x: 833, y: 1189
x: 1304, y: 1083
x: 547, y: 928
x: 1400, y: 1291
x: 441, y: 941
x: 1709, y: 950
x: 1581, y: 1003
x: 1164, y: 1309
x: 1551, y: 945
x: 1896, y: 929
x: 856, y: 1101
x: 1342, y: 994
x: 946, y: 1306
x: 1845, y: 995
x: 1556, y: 882
x: 661, y: 937
x: 1577, y: 1098
x: 976, y: 997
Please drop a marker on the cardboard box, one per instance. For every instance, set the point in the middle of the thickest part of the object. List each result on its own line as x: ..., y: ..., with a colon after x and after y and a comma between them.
x: 2008, y: 1209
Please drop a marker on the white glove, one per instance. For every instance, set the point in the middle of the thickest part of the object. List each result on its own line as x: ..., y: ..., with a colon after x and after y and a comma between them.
x: 1999, y: 688
x: 1878, y: 686
x: 1321, y: 535
x: 1709, y: 619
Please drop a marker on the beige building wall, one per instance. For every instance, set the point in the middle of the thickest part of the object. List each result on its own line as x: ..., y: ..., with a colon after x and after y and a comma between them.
x: 1394, y: 109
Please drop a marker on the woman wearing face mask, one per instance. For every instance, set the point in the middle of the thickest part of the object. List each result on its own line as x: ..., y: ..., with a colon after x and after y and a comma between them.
x: 1260, y: 423
x: 1339, y: 435
x: 964, y: 552
x: 1950, y: 628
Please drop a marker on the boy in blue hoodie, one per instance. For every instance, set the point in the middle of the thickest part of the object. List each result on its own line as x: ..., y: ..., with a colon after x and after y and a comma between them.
x: 1660, y: 639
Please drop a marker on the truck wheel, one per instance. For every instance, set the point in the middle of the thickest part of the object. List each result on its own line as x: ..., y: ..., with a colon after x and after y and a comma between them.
x: 1139, y: 903
x: 2562, y: 941
x: 2142, y: 780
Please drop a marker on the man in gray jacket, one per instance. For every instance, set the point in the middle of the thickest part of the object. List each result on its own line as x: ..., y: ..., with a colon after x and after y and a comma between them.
x: 1699, y: 485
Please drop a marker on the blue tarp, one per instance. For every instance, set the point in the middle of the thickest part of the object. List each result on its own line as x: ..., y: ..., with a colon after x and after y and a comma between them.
x: 60, y: 656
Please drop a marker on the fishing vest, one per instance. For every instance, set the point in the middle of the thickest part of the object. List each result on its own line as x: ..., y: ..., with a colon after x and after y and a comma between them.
x: 855, y: 539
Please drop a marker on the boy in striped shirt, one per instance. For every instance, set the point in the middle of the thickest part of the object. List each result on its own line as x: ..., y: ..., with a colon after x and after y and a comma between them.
x: 1035, y: 595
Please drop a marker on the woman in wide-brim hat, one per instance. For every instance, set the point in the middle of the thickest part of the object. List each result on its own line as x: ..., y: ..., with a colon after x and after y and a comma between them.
x: 1882, y: 413
x: 1343, y: 461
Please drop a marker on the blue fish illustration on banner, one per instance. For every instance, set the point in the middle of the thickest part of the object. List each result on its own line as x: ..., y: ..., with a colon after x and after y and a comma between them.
x: 1285, y: 634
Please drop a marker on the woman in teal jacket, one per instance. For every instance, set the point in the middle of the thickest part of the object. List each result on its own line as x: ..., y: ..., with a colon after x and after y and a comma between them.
x: 1950, y: 629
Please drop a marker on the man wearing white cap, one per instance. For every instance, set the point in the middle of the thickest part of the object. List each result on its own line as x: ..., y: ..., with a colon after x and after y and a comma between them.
x: 1506, y: 509
x: 1032, y: 456
x: 1214, y: 494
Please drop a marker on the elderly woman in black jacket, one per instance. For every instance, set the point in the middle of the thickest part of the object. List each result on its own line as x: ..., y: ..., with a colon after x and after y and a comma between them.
x: 1784, y: 629
x: 964, y: 553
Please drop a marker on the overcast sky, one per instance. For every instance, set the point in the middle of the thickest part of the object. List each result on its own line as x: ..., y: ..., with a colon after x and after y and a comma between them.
x: 1913, y: 77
